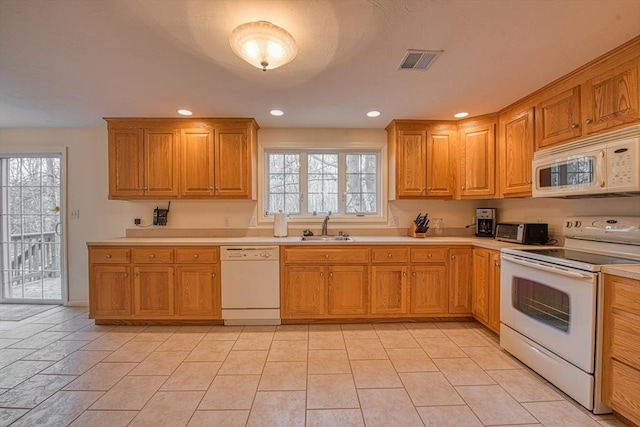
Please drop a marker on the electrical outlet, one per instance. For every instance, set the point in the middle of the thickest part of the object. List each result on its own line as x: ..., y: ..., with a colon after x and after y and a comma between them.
x: 137, y: 221
x: 226, y: 221
x: 75, y: 213
x: 251, y: 221
x: 393, y: 221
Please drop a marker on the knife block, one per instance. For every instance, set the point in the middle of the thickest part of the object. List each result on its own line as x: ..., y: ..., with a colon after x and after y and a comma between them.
x: 417, y: 232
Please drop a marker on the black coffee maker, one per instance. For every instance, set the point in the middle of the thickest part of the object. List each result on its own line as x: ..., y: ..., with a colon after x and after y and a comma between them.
x: 485, y: 222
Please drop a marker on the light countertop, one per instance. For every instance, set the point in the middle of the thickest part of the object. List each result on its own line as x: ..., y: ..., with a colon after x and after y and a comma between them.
x: 281, y: 241
x: 628, y: 271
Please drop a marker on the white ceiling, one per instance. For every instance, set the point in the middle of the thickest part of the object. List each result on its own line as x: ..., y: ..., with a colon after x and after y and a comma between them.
x: 68, y: 63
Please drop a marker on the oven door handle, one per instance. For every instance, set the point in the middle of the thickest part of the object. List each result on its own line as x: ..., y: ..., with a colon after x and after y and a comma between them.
x: 540, y: 266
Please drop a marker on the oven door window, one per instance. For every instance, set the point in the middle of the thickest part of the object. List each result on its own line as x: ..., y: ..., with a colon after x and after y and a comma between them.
x: 572, y: 172
x: 542, y: 303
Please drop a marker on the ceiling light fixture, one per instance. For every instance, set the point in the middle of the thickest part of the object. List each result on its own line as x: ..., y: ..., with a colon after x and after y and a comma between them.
x: 460, y: 114
x: 276, y: 113
x: 184, y: 112
x: 263, y: 44
x: 373, y: 113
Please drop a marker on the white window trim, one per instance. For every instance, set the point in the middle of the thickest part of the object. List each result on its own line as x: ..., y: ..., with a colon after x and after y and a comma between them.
x: 378, y: 219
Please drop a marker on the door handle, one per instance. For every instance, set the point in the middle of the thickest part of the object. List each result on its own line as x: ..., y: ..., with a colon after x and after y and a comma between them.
x: 58, y: 228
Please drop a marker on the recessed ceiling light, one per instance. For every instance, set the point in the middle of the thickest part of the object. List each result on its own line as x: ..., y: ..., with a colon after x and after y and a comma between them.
x: 460, y: 114
x: 184, y: 112
x: 373, y: 113
x: 276, y: 112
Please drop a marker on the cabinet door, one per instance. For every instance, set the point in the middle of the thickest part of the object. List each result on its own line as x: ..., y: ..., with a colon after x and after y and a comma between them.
x: 516, y: 154
x: 303, y: 292
x: 389, y: 289
x: 460, y: 271
x: 440, y: 164
x: 494, y: 292
x: 411, y: 168
x: 126, y: 154
x: 611, y: 99
x: 558, y: 119
x: 480, y: 289
x: 348, y: 285
x: 478, y: 161
x: 153, y: 291
x: 232, y: 164
x: 428, y: 289
x: 109, y: 291
x: 198, y: 291
x: 161, y: 163
x: 196, y: 161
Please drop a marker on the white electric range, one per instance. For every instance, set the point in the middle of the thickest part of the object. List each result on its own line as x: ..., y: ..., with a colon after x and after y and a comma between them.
x: 550, y: 299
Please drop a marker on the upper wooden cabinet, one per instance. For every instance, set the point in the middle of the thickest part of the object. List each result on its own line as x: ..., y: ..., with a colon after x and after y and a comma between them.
x: 612, y: 98
x: 421, y: 159
x: 558, y: 118
x: 477, y: 158
x: 176, y: 158
x: 143, y: 163
x: 515, y: 153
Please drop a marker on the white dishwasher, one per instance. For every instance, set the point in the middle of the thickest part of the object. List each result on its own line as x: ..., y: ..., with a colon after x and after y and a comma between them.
x: 250, y: 285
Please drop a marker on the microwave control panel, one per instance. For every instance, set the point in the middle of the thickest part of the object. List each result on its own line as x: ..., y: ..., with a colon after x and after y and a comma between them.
x: 622, y: 166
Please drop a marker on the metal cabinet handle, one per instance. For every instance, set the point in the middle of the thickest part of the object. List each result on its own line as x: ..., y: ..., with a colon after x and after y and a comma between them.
x: 428, y: 255
x: 462, y: 188
x: 213, y: 275
x: 210, y: 188
x: 152, y: 255
x: 331, y: 274
x: 321, y: 274
x: 453, y: 257
x: 414, y: 274
x: 195, y: 256
x: 389, y: 255
x: 404, y: 274
x: 588, y: 121
x: 125, y: 274
x: 136, y: 275
x: 107, y: 256
x: 326, y: 256
x: 429, y: 188
x: 574, y: 126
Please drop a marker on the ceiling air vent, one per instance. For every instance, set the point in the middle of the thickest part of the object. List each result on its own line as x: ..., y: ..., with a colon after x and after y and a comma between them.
x: 419, y: 59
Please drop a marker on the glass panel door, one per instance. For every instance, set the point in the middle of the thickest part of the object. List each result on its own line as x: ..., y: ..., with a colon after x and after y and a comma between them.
x: 31, y: 228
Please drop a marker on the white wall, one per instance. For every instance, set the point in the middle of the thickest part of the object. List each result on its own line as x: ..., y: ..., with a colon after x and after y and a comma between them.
x: 101, y: 218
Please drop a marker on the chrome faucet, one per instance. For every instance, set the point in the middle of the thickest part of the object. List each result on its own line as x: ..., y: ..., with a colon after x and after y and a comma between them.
x: 324, y: 225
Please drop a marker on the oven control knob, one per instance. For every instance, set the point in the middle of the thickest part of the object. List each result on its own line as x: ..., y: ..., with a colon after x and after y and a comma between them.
x: 578, y: 223
x: 568, y: 224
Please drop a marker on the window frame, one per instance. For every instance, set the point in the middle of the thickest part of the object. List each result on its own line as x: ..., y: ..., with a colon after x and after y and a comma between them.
x: 342, y: 150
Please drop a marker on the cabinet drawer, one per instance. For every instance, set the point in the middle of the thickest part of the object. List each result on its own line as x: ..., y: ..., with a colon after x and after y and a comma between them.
x: 197, y: 255
x: 326, y: 255
x: 152, y: 255
x: 429, y: 254
x: 109, y: 255
x: 389, y: 255
x: 625, y: 338
x: 625, y: 294
x: 625, y: 390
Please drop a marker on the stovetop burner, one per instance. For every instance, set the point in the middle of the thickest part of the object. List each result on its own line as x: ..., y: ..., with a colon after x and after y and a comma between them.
x: 579, y: 256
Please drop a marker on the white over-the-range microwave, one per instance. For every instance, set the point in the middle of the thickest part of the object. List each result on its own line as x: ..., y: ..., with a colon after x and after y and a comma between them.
x: 607, y: 165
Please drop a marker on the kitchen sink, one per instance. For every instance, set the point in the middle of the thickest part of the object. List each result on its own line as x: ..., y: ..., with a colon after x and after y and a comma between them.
x: 327, y: 239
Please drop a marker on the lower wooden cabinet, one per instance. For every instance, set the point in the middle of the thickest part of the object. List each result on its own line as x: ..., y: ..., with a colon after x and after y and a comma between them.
x: 485, y: 301
x: 621, y: 346
x: 198, y: 291
x: 460, y: 277
x: 110, y: 291
x: 347, y: 290
x: 154, y: 283
x: 389, y: 289
x: 428, y: 290
x: 303, y: 292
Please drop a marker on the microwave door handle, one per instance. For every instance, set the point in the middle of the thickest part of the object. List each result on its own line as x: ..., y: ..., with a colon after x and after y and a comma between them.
x: 600, y: 172
x: 544, y: 267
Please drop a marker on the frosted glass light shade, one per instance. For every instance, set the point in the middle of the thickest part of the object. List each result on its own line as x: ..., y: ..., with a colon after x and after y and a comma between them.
x: 263, y: 45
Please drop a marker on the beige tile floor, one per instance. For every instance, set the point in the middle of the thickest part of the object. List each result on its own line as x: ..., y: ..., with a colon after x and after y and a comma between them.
x: 58, y: 368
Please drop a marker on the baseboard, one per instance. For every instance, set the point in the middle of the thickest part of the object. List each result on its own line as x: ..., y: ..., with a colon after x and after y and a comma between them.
x: 77, y: 303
